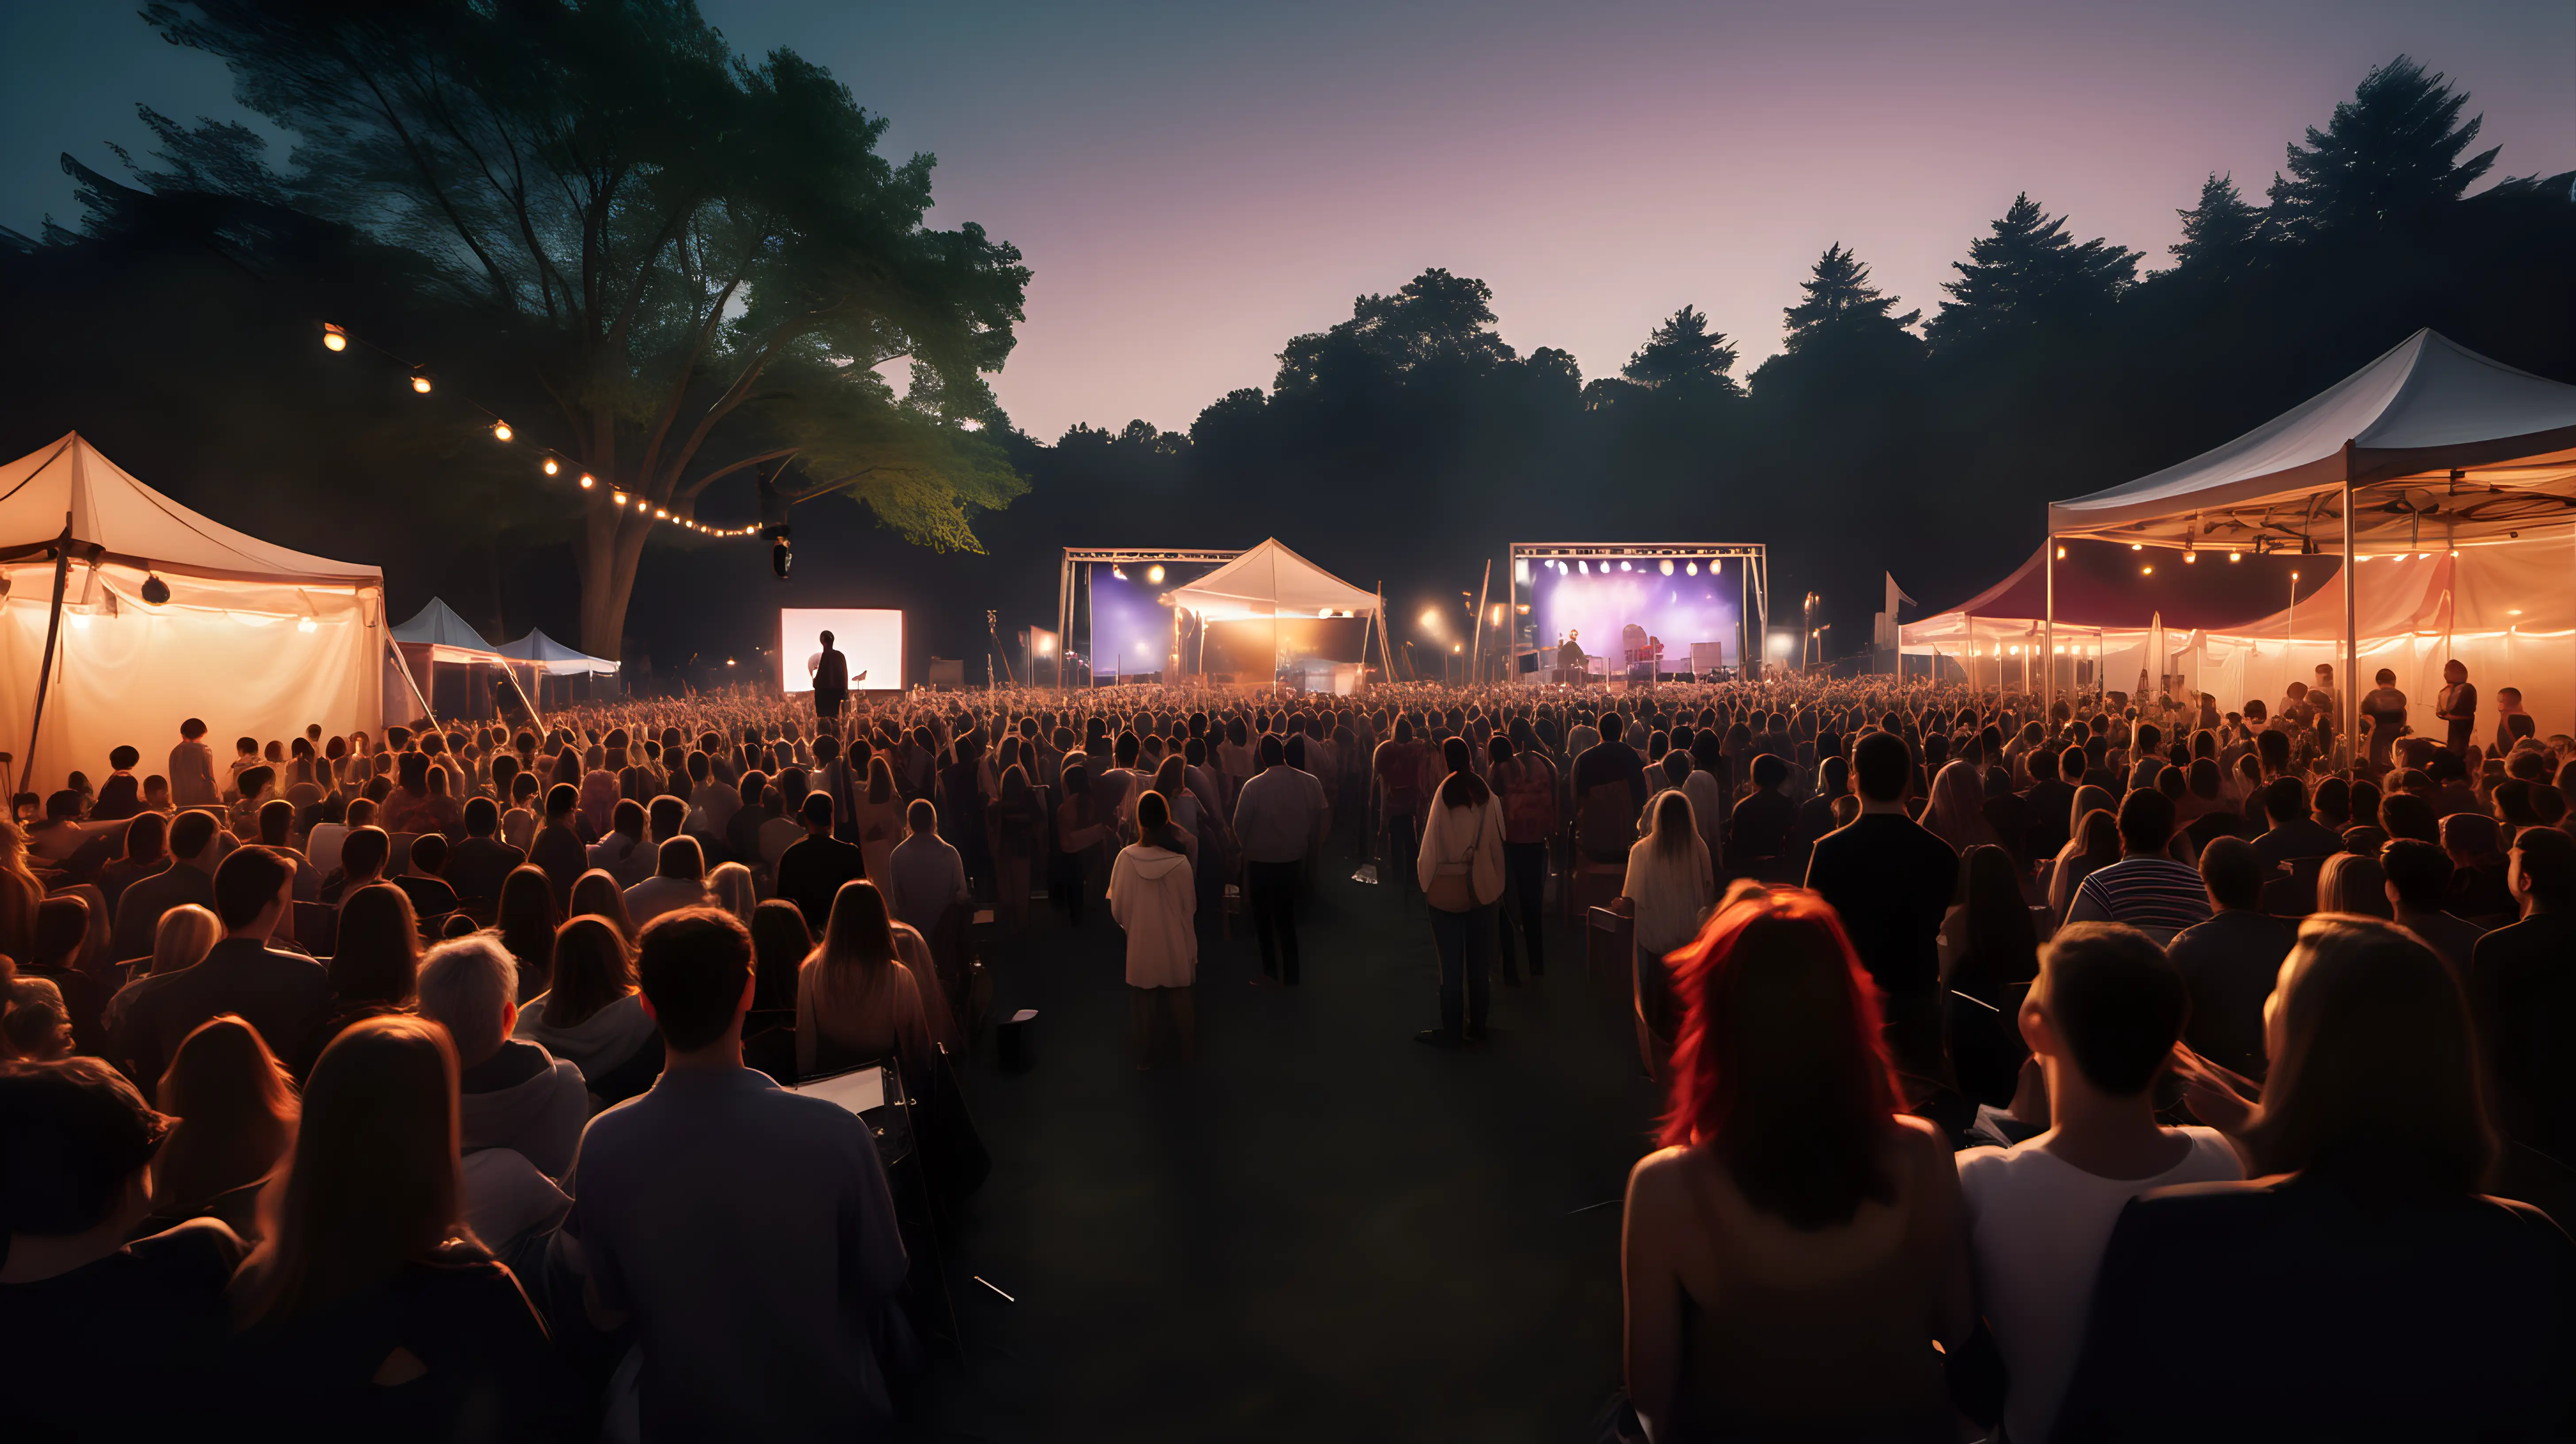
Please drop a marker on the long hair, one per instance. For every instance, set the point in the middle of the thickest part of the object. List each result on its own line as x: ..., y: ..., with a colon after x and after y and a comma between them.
x: 527, y: 918
x: 858, y: 946
x: 236, y: 1113
x: 2003, y: 948
x: 2377, y: 1079
x: 880, y: 780
x: 2352, y: 883
x: 1777, y: 1066
x: 183, y: 937
x: 375, y: 956
x: 372, y: 1184
x: 735, y: 890
x: 596, y: 894
x: 779, y: 942
x: 592, y: 969
x: 1676, y: 827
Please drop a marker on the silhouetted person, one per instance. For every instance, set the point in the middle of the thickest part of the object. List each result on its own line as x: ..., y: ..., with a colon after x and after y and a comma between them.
x: 831, y: 685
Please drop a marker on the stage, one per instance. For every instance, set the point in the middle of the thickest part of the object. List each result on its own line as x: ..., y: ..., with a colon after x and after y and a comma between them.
x: 1596, y: 612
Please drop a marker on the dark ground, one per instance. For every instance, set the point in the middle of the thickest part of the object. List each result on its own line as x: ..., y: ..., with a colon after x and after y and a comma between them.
x: 1323, y: 1230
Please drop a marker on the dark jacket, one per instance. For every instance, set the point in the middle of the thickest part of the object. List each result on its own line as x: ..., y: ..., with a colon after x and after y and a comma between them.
x: 277, y: 993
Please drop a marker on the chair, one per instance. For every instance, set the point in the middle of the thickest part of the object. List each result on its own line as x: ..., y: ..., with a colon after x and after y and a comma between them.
x: 317, y: 928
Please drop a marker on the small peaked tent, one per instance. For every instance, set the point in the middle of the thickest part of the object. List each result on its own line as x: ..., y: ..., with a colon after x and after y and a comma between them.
x: 254, y: 638
x: 1272, y: 581
x: 447, y: 636
x: 553, y: 658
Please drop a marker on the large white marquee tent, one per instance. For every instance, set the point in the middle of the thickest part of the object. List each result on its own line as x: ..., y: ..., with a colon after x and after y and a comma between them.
x: 2445, y: 484
x: 255, y: 639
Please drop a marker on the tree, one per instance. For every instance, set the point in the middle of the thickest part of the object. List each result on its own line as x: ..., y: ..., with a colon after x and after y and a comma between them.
x: 2391, y: 155
x: 1683, y: 353
x: 2030, y: 272
x: 1436, y: 321
x: 2223, y: 234
x: 698, y: 261
x: 1839, y: 299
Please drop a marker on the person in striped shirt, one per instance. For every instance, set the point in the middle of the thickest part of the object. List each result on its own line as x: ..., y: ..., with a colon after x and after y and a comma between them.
x: 2146, y: 889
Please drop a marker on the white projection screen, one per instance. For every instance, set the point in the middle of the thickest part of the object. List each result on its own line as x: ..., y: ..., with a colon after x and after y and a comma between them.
x: 871, y: 637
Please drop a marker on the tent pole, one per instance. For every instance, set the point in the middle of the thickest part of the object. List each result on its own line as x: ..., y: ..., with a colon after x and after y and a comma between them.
x: 2048, y: 629
x: 53, y: 631
x: 1476, y: 663
x: 2351, y: 700
x: 417, y: 694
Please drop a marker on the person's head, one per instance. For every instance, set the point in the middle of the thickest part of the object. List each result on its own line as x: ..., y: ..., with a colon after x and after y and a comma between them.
x: 183, y: 937
x: 35, y: 1023
x: 2232, y: 871
x: 234, y: 1110
x: 827, y: 639
x: 921, y: 817
x: 2146, y: 823
x: 779, y: 942
x: 681, y: 857
x: 2108, y: 1004
x: 364, y: 853
x: 817, y: 812
x: 735, y: 889
x: 592, y: 969
x: 253, y: 887
x: 1881, y: 766
x: 562, y: 801
x: 1770, y: 772
x: 2352, y: 883
x: 376, y: 956
x: 2403, y: 814
x: 596, y: 894
x: 2455, y: 672
x: 2419, y: 875
x: 75, y: 1139
x: 1675, y: 828
x: 428, y: 855
x: 1274, y: 752
x: 1777, y: 1066
x: 192, y: 729
x: 2374, y: 1072
x: 372, y: 1183
x: 191, y: 834
x: 1153, y: 814
x: 695, y: 969
x: 470, y: 985
x: 2541, y: 873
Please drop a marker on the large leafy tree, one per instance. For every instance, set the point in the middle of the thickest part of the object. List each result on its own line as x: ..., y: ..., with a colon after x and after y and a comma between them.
x: 699, y: 261
x: 2029, y: 271
x: 2392, y: 155
x: 1682, y: 354
x: 1437, y: 321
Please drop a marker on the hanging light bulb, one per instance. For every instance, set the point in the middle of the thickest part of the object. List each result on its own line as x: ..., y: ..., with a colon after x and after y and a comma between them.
x: 1692, y: 569
x: 156, y: 592
x: 1586, y: 566
x: 661, y: 514
x: 2236, y: 556
x: 2137, y: 546
x: 500, y: 431
x: 420, y: 383
x: 588, y: 481
x: 2190, y: 558
x: 333, y: 338
x: 2061, y: 553
x: 1154, y: 573
x: 553, y: 467
x: 1668, y: 566
x: 305, y: 624
x: 618, y: 497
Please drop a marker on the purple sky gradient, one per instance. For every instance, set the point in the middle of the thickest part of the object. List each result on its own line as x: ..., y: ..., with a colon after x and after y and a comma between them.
x: 1194, y: 183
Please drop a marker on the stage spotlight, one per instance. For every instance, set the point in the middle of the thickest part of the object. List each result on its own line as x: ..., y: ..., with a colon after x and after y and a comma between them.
x: 1668, y: 566
x: 780, y: 558
x: 1116, y: 571
x: 1623, y: 566
x: 333, y: 338
x: 1430, y: 621
x: 1586, y: 567
x: 156, y: 592
x: 1694, y: 569
x: 1154, y: 573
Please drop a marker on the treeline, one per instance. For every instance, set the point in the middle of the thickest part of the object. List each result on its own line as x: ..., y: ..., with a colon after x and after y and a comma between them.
x: 1410, y: 442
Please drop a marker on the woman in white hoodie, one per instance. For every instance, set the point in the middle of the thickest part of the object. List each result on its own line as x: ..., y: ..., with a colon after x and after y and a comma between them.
x: 1460, y: 867
x: 1153, y: 896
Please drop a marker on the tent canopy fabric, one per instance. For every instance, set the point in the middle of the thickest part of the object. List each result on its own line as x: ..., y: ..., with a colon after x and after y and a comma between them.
x: 254, y: 639
x: 553, y: 657
x: 131, y: 523
x: 2104, y: 585
x: 2399, y: 429
x: 446, y: 634
x: 1272, y: 581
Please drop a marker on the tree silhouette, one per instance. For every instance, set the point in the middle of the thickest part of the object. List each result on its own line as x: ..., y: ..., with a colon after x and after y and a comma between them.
x: 2029, y: 272
x: 2223, y: 234
x: 1682, y: 352
x: 700, y: 260
x: 2390, y: 156
x: 1840, y: 300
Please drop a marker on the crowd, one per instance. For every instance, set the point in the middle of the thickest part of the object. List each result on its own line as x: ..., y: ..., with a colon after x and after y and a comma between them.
x: 421, y: 1085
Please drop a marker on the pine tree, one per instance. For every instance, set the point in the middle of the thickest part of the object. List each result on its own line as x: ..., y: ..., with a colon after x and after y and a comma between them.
x: 2224, y: 233
x: 1683, y: 352
x: 1841, y: 299
x: 2027, y: 272
x: 2391, y: 155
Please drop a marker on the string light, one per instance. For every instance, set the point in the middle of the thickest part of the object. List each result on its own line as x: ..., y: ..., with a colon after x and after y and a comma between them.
x: 553, y: 466
x: 500, y: 431
x: 306, y: 624
x: 588, y: 481
x: 333, y: 338
x: 618, y: 497
x: 659, y: 514
x: 420, y: 383
x: 2236, y: 556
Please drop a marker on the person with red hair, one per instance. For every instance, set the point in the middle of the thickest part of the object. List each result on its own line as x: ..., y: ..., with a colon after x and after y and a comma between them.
x: 1792, y: 1256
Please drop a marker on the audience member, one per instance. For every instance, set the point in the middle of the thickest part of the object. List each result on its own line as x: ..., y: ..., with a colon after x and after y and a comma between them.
x: 2229, y: 963
x: 515, y: 1094
x: 2145, y: 889
x: 278, y: 993
x: 2418, y: 887
x: 233, y: 1112
x: 1154, y: 898
x: 592, y: 1017
x: 855, y: 1000
x: 1892, y: 882
x: 2522, y: 986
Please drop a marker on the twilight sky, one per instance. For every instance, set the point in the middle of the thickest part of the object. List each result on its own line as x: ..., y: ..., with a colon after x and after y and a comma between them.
x: 1193, y: 183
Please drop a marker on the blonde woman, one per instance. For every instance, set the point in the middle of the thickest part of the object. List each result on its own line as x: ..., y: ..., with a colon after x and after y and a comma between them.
x: 185, y: 935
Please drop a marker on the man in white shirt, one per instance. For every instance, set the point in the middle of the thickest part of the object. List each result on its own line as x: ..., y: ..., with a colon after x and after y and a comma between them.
x: 2102, y: 1018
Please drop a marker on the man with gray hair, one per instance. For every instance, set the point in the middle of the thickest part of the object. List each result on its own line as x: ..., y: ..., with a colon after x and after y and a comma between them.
x: 513, y: 1093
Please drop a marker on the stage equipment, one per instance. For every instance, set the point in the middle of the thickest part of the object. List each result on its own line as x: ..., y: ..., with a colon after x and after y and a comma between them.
x: 1700, y: 605
x: 1107, y: 606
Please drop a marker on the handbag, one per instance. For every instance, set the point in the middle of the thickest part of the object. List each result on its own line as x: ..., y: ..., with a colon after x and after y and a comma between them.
x: 1456, y: 892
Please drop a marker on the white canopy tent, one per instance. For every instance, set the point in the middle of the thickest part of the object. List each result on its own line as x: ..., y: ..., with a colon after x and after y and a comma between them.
x: 253, y: 638
x: 436, y: 634
x: 1272, y: 582
x: 544, y: 654
x: 2430, y: 452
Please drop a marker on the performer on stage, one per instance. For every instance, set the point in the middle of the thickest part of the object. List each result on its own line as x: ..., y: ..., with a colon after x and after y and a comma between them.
x: 831, y: 672
x: 1569, y: 658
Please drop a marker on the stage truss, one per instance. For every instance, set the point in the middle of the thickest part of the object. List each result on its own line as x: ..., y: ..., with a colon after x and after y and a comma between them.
x: 1752, y: 564
x: 1073, y: 590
